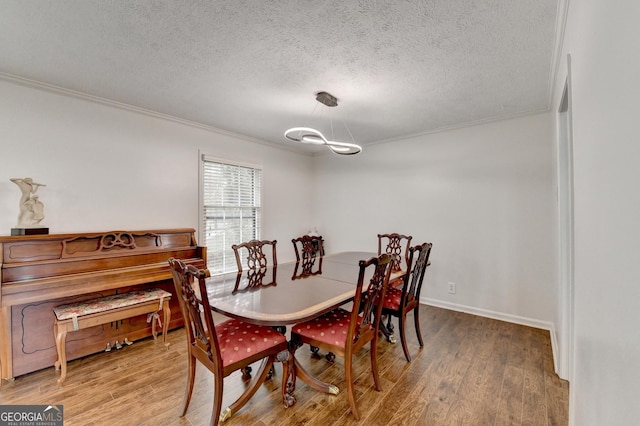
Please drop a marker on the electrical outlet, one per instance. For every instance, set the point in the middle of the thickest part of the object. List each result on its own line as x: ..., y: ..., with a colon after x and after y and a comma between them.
x: 452, y: 288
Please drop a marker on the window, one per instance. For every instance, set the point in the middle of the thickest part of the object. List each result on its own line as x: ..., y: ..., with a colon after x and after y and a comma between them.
x: 231, y: 196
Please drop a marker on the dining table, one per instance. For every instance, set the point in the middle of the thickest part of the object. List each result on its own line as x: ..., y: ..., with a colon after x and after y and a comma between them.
x: 289, y: 293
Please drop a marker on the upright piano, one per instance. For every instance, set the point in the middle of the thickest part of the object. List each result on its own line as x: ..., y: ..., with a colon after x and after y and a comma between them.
x: 39, y: 272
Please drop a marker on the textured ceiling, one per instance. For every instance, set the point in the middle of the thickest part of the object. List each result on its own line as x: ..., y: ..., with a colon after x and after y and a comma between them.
x: 398, y: 68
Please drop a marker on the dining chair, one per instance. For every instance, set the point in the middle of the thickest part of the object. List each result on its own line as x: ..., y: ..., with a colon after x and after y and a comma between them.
x: 308, y: 246
x: 309, y: 251
x: 399, y: 301
x: 346, y: 332
x: 225, y: 347
x: 396, y: 244
x: 257, y: 263
x: 256, y: 254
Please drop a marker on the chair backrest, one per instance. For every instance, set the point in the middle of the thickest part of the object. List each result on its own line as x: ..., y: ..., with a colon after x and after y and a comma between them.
x: 256, y: 256
x: 395, y: 244
x: 415, y: 272
x: 366, y: 303
x: 309, y: 251
x: 308, y: 246
x: 196, y: 311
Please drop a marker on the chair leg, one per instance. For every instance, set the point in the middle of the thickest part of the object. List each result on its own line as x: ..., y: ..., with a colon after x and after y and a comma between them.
x: 416, y: 320
x: 190, y: 380
x: 389, y: 323
x: 348, y: 371
x: 373, y: 353
x: 314, y: 351
x: 388, y: 332
x: 246, y: 373
x: 402, y: 319
x: 216, y: 417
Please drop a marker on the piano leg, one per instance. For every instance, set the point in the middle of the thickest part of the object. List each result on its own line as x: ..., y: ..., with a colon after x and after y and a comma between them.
x: 61, y: 340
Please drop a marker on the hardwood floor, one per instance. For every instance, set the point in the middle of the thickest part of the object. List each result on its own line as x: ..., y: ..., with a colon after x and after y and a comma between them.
x: 472, y: 370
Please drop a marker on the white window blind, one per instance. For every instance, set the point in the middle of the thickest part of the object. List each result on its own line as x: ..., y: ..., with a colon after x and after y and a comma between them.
x: 231, y: 210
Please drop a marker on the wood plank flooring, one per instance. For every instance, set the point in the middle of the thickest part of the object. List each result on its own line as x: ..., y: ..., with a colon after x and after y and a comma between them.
x: 472, y: 371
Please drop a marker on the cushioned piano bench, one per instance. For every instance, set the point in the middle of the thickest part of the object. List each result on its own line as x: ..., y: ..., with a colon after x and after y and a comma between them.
x: 90, y: 313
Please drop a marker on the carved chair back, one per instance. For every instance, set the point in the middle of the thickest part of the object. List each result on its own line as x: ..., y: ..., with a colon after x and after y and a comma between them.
x: 366, y: 318
x: 309, y: 251
x: 398, y: 245
x: 257, y: 254
x: 308, y: 246
x: 414, y: 278
x: 196, y: 311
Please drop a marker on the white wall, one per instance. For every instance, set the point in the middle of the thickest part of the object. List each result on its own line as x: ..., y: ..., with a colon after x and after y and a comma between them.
x: 483, y: 195
x: 112, y: 169
x: 603, y: 39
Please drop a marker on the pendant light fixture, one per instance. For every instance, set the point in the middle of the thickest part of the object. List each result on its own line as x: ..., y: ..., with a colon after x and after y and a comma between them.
x: 312, y: 136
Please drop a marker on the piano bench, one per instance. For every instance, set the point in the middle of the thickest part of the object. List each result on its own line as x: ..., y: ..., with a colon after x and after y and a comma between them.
x: 90, y: 313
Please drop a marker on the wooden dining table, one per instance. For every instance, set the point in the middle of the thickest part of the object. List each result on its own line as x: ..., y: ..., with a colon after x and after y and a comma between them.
x: 289, y: 293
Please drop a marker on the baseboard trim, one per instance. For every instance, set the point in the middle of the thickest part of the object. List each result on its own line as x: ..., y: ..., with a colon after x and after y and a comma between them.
x: 501, y: 316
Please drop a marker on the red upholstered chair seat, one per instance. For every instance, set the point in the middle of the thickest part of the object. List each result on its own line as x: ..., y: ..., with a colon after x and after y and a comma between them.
x: 330, y: 328
x: 238, y: 340
x: 392, y: 298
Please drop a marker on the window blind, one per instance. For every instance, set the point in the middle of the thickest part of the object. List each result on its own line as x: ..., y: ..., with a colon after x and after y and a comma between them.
x: 231, y: 210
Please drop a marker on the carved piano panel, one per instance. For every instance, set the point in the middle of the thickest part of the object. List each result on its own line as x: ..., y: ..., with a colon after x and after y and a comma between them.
x: 40, y: 272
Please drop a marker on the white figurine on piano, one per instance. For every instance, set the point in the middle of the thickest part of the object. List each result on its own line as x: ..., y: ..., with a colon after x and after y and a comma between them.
x: 31, y: 208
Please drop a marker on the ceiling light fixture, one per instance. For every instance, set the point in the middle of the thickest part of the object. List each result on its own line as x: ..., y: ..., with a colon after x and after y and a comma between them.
x: 312, y: 136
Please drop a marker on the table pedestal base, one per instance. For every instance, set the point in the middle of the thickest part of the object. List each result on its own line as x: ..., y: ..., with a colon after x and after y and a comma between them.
x: 296, y: 370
